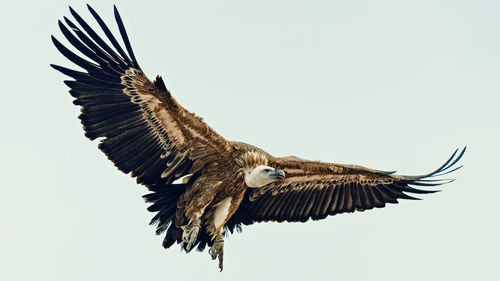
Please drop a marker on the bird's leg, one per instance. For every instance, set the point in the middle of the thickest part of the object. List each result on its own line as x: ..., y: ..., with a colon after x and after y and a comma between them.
x: 190, y: 232
x: 217, y: 249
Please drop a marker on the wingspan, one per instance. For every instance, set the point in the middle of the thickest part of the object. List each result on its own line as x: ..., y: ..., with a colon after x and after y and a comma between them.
x: 144, y: 130
x: 318, y: 190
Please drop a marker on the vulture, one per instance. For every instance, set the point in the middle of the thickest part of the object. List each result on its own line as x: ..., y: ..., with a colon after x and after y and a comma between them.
x: 203, y: 186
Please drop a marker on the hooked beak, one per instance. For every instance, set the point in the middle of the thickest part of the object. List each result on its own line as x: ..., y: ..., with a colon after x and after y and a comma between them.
x: 279, y: 174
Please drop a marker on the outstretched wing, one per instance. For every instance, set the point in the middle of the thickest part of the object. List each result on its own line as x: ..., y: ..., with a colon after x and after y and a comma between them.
x: 316, y: 190
x: 144, y: 130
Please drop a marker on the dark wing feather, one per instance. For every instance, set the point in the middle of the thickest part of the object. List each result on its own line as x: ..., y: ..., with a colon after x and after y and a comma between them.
x: 307, y: 195
x: 143, y: 129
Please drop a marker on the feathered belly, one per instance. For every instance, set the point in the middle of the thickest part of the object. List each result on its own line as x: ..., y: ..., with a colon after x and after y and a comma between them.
x: 221, y: 212
x: 225, y: 205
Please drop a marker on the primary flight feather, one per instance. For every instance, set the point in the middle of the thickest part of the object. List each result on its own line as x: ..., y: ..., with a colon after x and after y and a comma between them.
x: 223, y: 184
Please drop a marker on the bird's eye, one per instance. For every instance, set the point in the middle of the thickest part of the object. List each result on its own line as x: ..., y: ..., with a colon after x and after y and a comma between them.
x: 267, y: 170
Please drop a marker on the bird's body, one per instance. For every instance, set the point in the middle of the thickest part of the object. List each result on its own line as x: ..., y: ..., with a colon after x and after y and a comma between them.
x: 202, y: 184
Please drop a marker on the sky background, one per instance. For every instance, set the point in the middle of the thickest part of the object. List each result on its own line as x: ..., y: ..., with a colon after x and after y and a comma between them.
x: 391, y: 85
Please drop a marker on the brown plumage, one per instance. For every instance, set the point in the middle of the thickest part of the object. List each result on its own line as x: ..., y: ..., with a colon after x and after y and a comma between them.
x: 222, y: 184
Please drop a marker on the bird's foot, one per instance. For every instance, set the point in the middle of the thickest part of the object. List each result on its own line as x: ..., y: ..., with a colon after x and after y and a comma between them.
x: 190, y: 233
x: 217, y: 250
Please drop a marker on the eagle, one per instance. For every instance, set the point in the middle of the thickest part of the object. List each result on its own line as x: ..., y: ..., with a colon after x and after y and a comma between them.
x: 203, y: 186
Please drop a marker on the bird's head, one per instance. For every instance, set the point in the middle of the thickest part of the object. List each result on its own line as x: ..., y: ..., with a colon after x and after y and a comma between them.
x: 262, y: 175
x: 256, y: 171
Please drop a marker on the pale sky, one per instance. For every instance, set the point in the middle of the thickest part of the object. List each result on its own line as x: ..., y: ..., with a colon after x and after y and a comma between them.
x: 391, y: 85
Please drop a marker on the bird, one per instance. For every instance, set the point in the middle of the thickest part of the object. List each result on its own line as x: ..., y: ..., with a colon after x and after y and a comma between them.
x: 202, y: 186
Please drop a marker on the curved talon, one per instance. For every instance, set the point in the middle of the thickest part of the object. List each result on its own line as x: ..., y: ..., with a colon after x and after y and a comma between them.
x: 217, y: 251
x: 190, y: 234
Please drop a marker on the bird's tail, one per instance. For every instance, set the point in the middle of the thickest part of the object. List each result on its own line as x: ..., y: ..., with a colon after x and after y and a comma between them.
x: 164, y: 201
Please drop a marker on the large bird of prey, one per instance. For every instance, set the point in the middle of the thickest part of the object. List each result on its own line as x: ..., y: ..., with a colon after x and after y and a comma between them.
x: 201, y: 184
